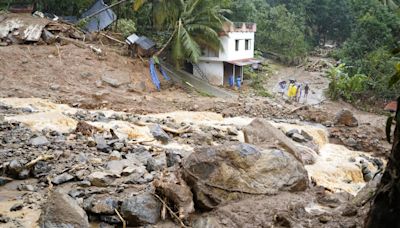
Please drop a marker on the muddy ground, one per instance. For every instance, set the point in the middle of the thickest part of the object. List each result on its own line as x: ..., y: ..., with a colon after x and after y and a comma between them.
x: 79, y: 78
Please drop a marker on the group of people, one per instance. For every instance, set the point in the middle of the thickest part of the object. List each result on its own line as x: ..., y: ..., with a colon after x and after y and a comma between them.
x: 295, y: 90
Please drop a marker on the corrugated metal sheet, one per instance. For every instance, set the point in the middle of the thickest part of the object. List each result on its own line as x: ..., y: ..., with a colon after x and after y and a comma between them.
x: 132, y: 39
x: 22, y: 27
x: 101, y: 20
x: 145, y: 43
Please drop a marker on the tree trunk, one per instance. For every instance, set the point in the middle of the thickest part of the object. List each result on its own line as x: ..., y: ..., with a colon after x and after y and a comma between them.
x: 385, y: 210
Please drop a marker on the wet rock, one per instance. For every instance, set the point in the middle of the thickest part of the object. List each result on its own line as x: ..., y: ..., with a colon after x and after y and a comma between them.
x: 260, y: 132
x: 224, y: 173
x: 62, y: 178
x: 24, y: 174
x: 324, y: 219
x: 159, y: 134
x: 298, y: 138
x: 118, y: 146
x: 17, y: 207
x: 61, y: 210
x: 100, y: 205
x: 14, y: 168
x: 5, y: 180
x: 346, y: 118
x: 100, y: 179
x: 39, y: 141
x: 141, y: 209
x: 307, y: 136
x: 115, y: 155
x: 367, y: 192
x: 232, y: 131
x: 282, y: 221
x: 290, y: 133
x: 84, y: 183
x: 175, y: 189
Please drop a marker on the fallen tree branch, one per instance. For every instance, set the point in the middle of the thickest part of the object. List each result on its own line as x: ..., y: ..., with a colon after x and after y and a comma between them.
x: 40, y: 158
x: 182, y: 130
x: 112, y: 38
x: 120, y: 217
x: 171, y: 211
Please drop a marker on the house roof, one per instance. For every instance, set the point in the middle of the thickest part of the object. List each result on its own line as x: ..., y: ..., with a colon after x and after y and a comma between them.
x: 244, y: 62
x: 101, y: 20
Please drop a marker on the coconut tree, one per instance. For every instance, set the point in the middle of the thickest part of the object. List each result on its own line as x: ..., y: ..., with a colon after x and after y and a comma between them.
x: 194, y: 24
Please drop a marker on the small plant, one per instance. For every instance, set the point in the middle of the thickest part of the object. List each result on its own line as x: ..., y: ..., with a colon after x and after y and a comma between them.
x: 126, y: 27
x: 344, y: 86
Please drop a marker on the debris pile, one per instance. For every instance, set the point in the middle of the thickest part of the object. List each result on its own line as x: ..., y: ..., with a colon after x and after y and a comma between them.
x: 22, y: 28
x: 118, y: 168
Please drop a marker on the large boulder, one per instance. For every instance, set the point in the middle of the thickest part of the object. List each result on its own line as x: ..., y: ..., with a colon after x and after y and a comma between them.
x: 262, y: 133
x: 229, y: 172
x: 62, y: 211
x: 141, y: 209
x: 346, y: 118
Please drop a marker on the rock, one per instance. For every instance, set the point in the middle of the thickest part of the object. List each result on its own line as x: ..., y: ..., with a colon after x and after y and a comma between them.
x: 232, y: 131
x: 206, y: 222
x: 115, y: 155
x: 291, y: 132
x: 298, y: 138
x: 260, y: 132
x: 173, y: 158
x: 5, y: 180
x: 157, y: 163
x: 61, y: 210
x: 367, y: 192
x: 177, y: 192
x: 324, y: 219
x: 307, y: 136
x: 224, y: 173
x: 110, y: 219
x: 349, y: 211
x: 141, y: 209
x: 17, y: 207
x: 159, y: 134
x: 62, y: 178
x: 118, y: 146
x: 100, y: 179
x: 76, y: 193
x: 346, y: 118
x: 100, y: 204
x: 137, y: 87
x: 17, y: 170
x: 26, y: 187
x: 101, y: 144
x: 39, y: 141
x: 111, y: 81
x: 41, y: 168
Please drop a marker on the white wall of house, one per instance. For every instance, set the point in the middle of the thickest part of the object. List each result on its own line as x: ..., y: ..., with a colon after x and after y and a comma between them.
x: 214, y: 71
x: 229, y: 51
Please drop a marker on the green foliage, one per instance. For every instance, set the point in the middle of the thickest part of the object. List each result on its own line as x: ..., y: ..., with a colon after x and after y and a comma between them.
x: 64, y: 8
x: 342, y: 85
x: 126, y: 27
x: 279, y: 32
x: 257, y: 80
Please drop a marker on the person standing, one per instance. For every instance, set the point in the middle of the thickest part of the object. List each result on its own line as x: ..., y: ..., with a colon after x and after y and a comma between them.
x: 282, y: 87
x: 306, y: 89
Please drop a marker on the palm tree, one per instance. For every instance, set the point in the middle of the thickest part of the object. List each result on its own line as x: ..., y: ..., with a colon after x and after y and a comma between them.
x: 194, y: 24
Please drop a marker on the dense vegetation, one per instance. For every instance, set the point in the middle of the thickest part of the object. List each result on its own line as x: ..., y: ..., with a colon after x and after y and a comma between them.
x: 365, y: 32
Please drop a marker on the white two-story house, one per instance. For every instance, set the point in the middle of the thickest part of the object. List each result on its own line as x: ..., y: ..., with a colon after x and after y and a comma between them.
x: 237, y: 51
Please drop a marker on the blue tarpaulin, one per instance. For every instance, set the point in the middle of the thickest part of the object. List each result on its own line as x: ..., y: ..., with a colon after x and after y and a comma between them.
x: 154, y: 76
x: 101, y: 20
x: 164, y: 74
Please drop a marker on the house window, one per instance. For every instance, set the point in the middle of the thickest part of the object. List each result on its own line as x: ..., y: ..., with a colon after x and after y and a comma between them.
x: 247, y: 44
x: 237, y: 45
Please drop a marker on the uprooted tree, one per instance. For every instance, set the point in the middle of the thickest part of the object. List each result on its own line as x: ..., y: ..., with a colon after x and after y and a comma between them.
x: 385, y: 211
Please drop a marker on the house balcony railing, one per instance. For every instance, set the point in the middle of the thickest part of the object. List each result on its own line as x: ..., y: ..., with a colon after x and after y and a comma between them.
x: 239, y: 27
